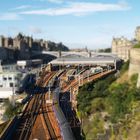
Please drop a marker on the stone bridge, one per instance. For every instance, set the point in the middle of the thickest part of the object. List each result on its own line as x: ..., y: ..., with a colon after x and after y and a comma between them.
x: 59, y: 54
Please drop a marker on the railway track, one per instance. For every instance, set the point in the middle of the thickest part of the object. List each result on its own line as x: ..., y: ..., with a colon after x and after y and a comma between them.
x: 30, y: 113
x: 42, y: 120
x: 74, y: 83
x: 31, y: 118
x: 37, y: 105
x: 47, y: 120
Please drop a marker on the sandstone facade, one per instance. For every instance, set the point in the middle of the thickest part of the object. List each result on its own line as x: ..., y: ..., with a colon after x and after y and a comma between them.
x: 134, y: 61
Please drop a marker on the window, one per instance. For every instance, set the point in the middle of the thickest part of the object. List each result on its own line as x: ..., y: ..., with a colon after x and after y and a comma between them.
x: 16, y: 78
x: 9, y: 78
x: 11, y: 84
x: 4, y: 78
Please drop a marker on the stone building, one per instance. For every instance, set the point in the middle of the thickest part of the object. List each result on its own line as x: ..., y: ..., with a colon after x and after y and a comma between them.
x: 30, y: 42
x: 137, y: 33
x: 6, y: 42
x: 121, y: 47
x: 24, y: 52
x: 38, y: 45
x: 46, y: 45
x: 24, y: 46
x: 16, y: 43
x: 10, y: 80
x: 1, y: 41
x: 22, y: 43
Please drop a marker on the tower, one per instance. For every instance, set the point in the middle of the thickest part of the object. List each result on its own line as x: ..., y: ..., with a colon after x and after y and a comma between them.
x: 30, y: 42
x: 114, y: 45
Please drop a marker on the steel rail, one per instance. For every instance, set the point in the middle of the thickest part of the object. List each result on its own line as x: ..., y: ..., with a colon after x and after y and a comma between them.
x: 47, y: 120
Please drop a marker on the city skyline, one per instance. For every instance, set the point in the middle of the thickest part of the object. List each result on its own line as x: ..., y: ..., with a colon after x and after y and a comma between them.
x: 75, y: 23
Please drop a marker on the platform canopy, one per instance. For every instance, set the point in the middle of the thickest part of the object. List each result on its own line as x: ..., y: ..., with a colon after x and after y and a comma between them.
x: 96, y: 60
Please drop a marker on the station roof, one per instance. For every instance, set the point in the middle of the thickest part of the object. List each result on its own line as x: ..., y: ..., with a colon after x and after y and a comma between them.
x: 97, y: 59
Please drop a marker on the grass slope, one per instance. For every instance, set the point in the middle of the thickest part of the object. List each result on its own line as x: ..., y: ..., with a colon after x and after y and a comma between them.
x: 103, y: 103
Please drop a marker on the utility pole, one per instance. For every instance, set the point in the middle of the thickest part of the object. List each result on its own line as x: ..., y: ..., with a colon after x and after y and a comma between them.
x: 82, y: 80
x: 70, y: 94
x: 78, y: 68
x: 49, y: 92
x: 79, y: 80
x: 88, y: 75
x: 13, y: 98
x: 115, y: 64
x: 108, y: 67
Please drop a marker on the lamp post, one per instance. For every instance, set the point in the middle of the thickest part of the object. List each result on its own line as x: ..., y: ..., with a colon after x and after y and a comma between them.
x: 115, y: 63
x: 49, y: 91
x: 70, y: 94
x: 79, y: 80
x: 82, y: 80
x: 13, y: 98
x: 88, y: 75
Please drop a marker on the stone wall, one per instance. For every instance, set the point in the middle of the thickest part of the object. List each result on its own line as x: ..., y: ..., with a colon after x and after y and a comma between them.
x: 137, y: 33
x: 134, y: 66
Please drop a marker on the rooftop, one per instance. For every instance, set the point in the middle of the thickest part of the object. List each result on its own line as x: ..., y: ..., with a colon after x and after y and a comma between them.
x: 84, y: 60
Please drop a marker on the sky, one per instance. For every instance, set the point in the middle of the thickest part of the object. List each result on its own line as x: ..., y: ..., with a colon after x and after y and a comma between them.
x: 76, y: 23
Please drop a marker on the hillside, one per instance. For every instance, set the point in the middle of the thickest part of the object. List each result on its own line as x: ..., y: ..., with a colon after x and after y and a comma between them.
x: 110, y: 108
x: 52, y: 46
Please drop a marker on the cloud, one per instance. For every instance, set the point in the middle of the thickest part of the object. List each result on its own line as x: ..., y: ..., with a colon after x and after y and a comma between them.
x: 56, y: 1
x: 52, y: 1
x: 22, y: 7
x: 79, y: 8
x: 9, y: 16
x: 35, y: 30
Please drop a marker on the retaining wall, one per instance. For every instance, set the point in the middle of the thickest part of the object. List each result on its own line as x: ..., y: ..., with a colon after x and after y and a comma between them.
x: 134, y: 66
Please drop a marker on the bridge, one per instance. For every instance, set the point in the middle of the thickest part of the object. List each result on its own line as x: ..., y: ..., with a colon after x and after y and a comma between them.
x: 59, y: 54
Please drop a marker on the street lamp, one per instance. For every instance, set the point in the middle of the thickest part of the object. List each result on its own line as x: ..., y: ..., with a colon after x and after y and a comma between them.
x: 49, y: 90
x: 13, y: 90
x: 79, y: 79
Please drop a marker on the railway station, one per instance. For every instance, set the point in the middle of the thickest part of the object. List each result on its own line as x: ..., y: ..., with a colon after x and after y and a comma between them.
x: 97, y: 60
x: 51, y: 114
